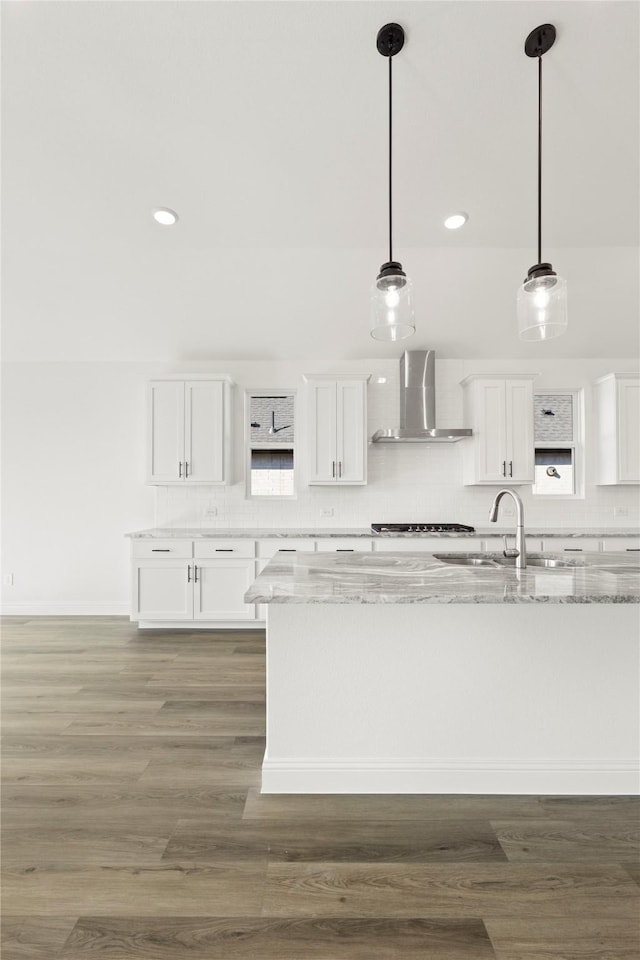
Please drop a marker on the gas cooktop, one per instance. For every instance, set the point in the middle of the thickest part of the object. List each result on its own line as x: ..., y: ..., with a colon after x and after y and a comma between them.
x: 421, y: 528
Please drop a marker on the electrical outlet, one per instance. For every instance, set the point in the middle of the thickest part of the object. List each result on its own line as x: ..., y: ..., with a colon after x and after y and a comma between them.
x: 326, y: 511
x: 7, y: 579
x: 620, y: 512
x: 210, y: 512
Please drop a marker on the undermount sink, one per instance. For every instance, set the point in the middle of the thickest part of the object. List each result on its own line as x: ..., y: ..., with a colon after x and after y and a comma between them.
x: 495, y: 561
x: 465, y: 560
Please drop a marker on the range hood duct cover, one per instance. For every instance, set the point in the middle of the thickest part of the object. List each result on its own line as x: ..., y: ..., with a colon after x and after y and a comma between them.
x: 418, y: 404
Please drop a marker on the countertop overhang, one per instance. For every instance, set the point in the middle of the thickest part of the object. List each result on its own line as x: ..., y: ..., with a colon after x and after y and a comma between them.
x: 416, y: 577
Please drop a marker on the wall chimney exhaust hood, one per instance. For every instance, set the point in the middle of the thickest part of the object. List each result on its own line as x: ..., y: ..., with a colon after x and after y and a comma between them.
x: 418, y: 404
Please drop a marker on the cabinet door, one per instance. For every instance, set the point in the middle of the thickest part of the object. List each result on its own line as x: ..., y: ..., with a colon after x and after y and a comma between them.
x: 162, y: 590
x: 519, y: 431
x: 351, y: 446
x: 629, y: 431
x: 491, y: 432
x: 165, y: 456
x: 204, y: 431
x: 219, y: 589
x: 322, y: 431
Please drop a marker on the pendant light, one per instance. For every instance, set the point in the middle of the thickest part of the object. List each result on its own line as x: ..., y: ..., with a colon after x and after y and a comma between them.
x: 391, y: 294
x: 542, y: 298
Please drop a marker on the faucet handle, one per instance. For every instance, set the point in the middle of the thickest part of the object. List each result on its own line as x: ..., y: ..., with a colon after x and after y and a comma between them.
x: 509, y: 551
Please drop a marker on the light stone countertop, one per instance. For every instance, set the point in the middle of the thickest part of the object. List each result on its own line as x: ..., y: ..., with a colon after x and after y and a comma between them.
x: 256, y: 533
x: 416, y: 577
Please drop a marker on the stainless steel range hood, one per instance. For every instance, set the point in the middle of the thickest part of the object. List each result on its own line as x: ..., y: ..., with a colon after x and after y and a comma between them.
x: 418, y: 404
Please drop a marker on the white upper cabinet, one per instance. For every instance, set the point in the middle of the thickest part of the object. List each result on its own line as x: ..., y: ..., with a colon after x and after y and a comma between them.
x: 188, y: 431
x: 337, y: 429
x: 500, y: 412
x: 617, y: 428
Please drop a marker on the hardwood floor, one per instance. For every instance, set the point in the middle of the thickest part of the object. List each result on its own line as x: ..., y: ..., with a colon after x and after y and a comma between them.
x: 134, y: 829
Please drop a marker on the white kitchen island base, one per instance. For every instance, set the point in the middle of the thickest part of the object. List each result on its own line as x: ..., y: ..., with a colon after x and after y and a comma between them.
x: 452, y: 698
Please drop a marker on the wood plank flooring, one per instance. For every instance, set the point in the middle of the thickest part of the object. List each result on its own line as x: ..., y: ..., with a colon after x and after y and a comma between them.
x: 134, y: 827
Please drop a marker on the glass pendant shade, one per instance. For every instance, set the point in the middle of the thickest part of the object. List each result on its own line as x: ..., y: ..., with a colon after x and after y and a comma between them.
x: 542, y: 307
x: 392, y: 305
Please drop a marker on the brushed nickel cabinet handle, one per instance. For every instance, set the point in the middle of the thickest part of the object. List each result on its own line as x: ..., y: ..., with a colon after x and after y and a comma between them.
x: 186, y: 469
x: 340, y: 468
x: 160, y: 550
x: 504, y: 468
x: 333, y: 469
x: 510, y: 468
x: 180, y: 468
x: 224, y: 549
x: 632, y: 549
x: 195, y: 573
x: 188, y: 573
x: 344, y: 549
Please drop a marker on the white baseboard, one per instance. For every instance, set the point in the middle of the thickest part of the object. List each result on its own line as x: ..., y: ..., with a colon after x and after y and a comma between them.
x: 450, y: 776
x: 65, y: 608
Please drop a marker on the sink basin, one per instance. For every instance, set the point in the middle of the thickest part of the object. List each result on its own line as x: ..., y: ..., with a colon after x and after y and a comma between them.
x: 498, y: 562
x: 467, y: 559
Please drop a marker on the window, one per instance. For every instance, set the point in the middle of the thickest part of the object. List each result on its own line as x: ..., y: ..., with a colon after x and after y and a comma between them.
x: 270, y: 431
x: 558, y: 444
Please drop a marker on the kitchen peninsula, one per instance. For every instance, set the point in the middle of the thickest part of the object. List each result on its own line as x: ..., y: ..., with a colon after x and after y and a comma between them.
x: 402, y: 673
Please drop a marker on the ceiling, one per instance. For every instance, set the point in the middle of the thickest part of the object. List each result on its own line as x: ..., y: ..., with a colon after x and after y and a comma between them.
x: 264, y: 125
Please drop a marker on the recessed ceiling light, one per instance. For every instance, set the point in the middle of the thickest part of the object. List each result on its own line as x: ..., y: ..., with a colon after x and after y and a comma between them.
x: 165, y: 216
x: 456, y: 220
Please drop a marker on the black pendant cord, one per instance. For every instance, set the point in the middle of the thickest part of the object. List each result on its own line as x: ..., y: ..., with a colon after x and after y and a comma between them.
x: 390, y: 165
x: 540, y: 158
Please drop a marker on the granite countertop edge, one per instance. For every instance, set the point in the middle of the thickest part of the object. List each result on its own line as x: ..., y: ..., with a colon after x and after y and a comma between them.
x: 403, y: 578
x: 254, y: 533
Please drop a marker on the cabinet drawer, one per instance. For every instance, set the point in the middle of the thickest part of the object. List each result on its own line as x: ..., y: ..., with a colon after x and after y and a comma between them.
x: 344, y: 545
x: 623, y: 544
x: 496, y: 544
x: 571, y: 544
x: 170, y: 549
x: 428, y: 544
x: 269, y: 548
x: 221, y: 549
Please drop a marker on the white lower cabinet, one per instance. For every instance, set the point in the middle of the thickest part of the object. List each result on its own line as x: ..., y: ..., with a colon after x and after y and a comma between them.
x: 429, y: 544
x: 162, y: 590
x: 344, y: 545
x: 201, y: 583
x: 622, y: 544
x: 496, y: 544
x: 571, y: 544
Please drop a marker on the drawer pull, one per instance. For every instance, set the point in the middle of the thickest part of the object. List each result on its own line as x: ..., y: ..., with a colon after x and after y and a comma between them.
x: 573, y: 549
x: 160, y: 549
x: 288, y: 550
x: 224, y: 549
x: 345, y: 549
x: 633, y: 549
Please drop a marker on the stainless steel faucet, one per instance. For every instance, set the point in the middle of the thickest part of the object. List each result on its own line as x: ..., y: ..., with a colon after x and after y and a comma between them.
x: 521, y: 550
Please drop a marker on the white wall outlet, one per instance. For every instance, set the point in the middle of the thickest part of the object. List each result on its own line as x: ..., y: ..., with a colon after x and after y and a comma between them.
x: 620, y: 512
x: 326, y: 511
x: 7, y: 579
x: 210, y: 512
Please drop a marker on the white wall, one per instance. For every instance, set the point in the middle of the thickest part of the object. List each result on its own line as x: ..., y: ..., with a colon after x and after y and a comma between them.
x: 73, y: 472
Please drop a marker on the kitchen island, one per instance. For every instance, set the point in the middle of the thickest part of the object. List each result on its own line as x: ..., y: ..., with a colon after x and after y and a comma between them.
x: 401, y: 673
